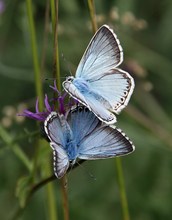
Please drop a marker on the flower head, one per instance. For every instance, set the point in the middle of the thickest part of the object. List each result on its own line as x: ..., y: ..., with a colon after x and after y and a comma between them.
x: 2, y: 6
x: 41, y: 116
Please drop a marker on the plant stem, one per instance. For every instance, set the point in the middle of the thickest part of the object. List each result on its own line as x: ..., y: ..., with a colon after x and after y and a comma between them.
x: 56, y: 63
x: 65, y: 198
x: 45, y: 37
x: 39, y: 91
x: 38, y: 82
x: 92, y: 15
x: 122, y: 191
x: 15, y: 148
x: 51, y: 178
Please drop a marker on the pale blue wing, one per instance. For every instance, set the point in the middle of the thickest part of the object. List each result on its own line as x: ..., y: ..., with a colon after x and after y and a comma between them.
x: 116, y: 87
x: 94, y: 101
x: 101, y: 108
x: 82, y: 122
x: 57, y: 129
x: 61, y: 160
x: 110, y: 93
x: 103, y: 53
x: 105, y: 142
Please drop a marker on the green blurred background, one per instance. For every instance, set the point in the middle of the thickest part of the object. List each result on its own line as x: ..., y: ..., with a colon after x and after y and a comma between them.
x: 145, y: 32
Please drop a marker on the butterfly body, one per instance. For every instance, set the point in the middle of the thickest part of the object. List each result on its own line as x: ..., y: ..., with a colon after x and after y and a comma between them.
x: 99, y: 83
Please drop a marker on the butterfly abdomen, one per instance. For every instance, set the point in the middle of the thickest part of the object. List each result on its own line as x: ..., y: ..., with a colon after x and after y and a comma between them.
x: 71, y: 150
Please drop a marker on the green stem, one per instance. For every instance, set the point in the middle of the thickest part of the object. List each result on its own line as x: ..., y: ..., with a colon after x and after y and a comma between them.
x: 92, y: 15
x: 45, y: 38
x: 65, y: 197
x: 53, y: 12
x: 56, y: 63
x: 39, y: 92
x: 38, y: 82
x: 48, y: 179
x: 51, y: 200
x: 121, y: 184
x: 15, y: 148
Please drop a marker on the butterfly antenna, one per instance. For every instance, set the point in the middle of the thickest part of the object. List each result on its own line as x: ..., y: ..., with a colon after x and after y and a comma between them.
x: 49, y: 79
x: 88, y: 172
x: 67, y: 63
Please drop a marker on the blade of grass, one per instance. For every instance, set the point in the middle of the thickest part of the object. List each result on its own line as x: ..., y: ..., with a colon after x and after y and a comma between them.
x: 38, y: 83
x: 15, y: 148
x: 122, y: 191
x: 92, y: 15
x: 56, y: 63
x: 65, y: 197
x: 39, y: 92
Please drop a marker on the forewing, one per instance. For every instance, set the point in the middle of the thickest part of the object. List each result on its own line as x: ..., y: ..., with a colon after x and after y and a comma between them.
x: 95, y: 103
x: 61, y: 160
x: 82, y: 122
x: 103, y: 53
x: 105, y: 142
x: 116, y: 87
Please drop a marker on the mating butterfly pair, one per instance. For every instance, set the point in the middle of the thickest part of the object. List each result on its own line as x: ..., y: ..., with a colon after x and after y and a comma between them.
x: 86, y: 132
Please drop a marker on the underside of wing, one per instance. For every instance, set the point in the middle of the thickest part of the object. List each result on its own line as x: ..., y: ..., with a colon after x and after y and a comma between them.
x: 116, y: 87
x: 57, y: 128
x: 103, y: 53
x: 61, y: 160
x: 94, y: 102
x: 105, y: 142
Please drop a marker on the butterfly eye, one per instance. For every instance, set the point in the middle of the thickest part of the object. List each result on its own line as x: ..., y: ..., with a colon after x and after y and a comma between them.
x: 70, y: 78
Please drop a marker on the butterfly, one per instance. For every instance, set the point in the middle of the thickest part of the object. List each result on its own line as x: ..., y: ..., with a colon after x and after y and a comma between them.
x: 79, y: 134
x: 99, y: 84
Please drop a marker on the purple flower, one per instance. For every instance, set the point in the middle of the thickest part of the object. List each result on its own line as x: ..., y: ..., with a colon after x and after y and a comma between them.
x: 2, y: 6
x: 41, y: 116
x: 37, y: 115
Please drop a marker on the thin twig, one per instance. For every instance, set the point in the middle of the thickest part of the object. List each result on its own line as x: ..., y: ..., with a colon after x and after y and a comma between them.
x: 92, y: 15
x: 65, y: 197
x: 122, y: 191
x: 38, y: 83
x: 56, y: 63
x: 45, y: 37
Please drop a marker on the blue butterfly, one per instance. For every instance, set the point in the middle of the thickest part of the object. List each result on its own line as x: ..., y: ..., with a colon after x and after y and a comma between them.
x: 81, y: 135
x: 99, y: 84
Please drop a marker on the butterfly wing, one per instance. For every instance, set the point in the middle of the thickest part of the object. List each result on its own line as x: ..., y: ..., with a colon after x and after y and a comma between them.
x: 96, y: 140
x: 57, y: 129
x: 58, y: 132
x: 105, y: 142
x: 82, y: 123
x: 103, y: 53
x: 116, y: 87
x: 53, y: 129
x: 61, y: 160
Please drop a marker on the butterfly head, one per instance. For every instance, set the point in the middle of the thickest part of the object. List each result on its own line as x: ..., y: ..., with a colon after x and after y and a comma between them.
x: 69, y: 79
